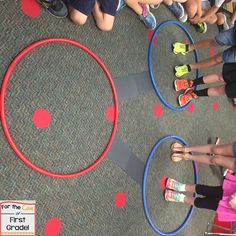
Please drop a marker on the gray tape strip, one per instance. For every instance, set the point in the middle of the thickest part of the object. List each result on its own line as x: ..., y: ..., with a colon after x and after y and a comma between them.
x: 122, y: 156
x: 133, y: 85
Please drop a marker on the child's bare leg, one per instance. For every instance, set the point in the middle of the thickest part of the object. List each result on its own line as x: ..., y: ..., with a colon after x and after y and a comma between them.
x: 220, y: 18
x: 217, y: 59
x: 217, y: 160
x: 77, y: 17
x: 191, y: 8
x: 205, y: 43
x: 189, y: 200
x: 104, y: 21
x: 191, y: 188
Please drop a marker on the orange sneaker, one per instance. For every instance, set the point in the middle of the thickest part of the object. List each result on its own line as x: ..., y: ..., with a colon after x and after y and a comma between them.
x: 181, y: 84
x: 185, y: 98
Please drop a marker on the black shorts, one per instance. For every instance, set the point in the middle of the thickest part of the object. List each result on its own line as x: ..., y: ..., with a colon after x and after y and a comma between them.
x: 86, y: 6
x: 229, y: 75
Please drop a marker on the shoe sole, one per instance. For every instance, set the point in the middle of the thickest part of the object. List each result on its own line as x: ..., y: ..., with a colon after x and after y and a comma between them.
x: 184, y: 18
x: 180, y: 104
x: 175, y: 85
x: 149, y: 12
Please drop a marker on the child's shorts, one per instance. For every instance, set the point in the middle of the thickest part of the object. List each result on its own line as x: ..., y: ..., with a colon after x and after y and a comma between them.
x: 228, y: 38
x: 229, y: 75
x: 86, y: 6
x: 206, y: 5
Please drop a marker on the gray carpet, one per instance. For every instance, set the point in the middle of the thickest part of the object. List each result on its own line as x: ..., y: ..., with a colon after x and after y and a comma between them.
x: 68, y: 83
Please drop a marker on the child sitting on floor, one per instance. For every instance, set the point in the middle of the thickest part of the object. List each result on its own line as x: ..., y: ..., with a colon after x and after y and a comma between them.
x: 221, y: 199
x: 200, y: 12
x: 103, y: 11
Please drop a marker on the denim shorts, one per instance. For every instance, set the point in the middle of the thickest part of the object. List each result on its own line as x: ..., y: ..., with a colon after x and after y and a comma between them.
x: 86, y: 6
x: 228, y: 38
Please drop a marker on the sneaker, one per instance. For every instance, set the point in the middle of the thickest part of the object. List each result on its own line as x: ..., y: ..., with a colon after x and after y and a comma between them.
x: 121, y: 5
x: 179, y: 48
x: 185, y: 98
x: 181, y: 70
x: 172, y: 196
x: 175, y: 185
x: 55, y: 7
x: 177, y: 9
x: 201, y: 27
x: 182, y: 84
x: 147, y: 17
x: 154, y: 6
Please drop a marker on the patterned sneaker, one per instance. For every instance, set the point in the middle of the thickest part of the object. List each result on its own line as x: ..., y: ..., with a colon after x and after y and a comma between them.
x: 201, y: 27
x: 147, y: 17
x: 55, y: 7
x: 175, y: 185
x: 154, y: 6
x: 181, y: 84
x: 182, y: 70
x: 180, y: 48
x: 177, y: 9
x: 121, y: 5
x: 185, y: 98
x: 172, y: 196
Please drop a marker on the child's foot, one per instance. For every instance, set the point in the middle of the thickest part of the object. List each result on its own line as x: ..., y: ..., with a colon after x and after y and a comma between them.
x: 176, y: 157
x: 172, y: 196
x: 56, y: 7
x: 185, y: 98
x: 154, y: 6
x: 182, y: 70
x: 201, y: 27
x: 177, y: 9
x: 180, y: 48
x: 177, y: 147
x: 121, y: 5
x: 147, y: 17
x: 182, y: 84
x: 175, y: 185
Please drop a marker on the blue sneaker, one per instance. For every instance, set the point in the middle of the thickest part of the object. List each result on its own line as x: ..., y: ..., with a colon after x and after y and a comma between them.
x: 147, y: 17
x: 177, y: 9
x: 55, y: 7
x: 121, y: 5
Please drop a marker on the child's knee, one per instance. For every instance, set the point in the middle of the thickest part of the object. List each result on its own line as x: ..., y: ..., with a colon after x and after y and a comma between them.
x: 78, y: 17
x: 217, y: 150
x: 191, y: 9
x: 220, y: 19
x: 105, y: 26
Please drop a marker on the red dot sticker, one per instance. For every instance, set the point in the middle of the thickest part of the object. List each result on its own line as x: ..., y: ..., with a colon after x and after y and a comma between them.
x: 191, y: 108
x: 41, y: 118
x: 215, y: 105
x: 150, y: 34
x: 163, y: 182
x: 120, y: 199
x: 110, y: 113
x: 157, y: 110
x: 53, y: 227
x: 212, y: 52
x: 30, y: 8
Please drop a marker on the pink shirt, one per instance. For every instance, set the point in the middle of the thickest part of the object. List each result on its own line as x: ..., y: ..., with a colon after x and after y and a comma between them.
x: 224, y: 211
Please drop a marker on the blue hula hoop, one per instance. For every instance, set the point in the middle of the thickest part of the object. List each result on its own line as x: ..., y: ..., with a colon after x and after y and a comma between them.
x: 155, y: 228
x: 169, y: 22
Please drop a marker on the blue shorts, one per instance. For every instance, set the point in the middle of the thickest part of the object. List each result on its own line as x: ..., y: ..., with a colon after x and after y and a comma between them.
x: 86, y: 6
x: 228, y: 38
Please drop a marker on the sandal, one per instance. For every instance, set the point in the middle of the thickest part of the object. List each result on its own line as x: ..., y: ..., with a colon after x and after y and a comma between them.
x: 177, y: 147
x: 176, y: 157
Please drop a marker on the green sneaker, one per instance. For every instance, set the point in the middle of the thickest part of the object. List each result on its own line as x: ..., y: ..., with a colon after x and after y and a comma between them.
x: 179, y: 48
x: 202, y: 27
x: 181, y: 70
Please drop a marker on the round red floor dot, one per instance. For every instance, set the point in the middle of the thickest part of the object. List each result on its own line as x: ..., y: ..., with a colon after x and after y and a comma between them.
x: 212, y: 52
x: 215, y: 105
x: 150, y: 34
x: 110, y: 113
x: 120, y: 200
x: 158, y: 110
x: 30, y: 8
x: 163, y: 182
x: 41, y: 118
x: 53, y: 227
x: 191, y: 108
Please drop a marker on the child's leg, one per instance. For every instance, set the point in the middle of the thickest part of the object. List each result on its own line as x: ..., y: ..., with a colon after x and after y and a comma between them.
x: 77, y: 17
x: 103, y: 20
x: 205, y: 43
x: 191, y: 8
